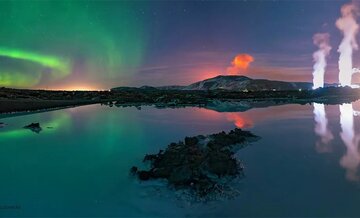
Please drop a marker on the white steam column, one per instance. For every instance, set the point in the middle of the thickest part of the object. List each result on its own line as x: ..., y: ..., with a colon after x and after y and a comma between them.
x: 348, y: 26
x: 322, y: 41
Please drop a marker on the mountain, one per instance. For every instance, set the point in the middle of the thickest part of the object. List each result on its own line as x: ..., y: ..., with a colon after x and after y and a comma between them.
x: 232, y: 83
x: 241, y: 83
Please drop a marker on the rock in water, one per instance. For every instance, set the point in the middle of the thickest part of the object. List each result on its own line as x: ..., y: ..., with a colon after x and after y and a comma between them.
x: 35, y: 127
x: 202, y: 164
x: 2, y: 125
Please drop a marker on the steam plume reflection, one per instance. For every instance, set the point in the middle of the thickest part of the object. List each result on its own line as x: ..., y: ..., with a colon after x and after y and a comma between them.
x: 351, y: 160
x: 321, y: 128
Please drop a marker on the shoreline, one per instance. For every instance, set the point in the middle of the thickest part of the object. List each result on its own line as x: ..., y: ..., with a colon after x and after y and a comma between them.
x: 14, y: 101
x: 8, y: 107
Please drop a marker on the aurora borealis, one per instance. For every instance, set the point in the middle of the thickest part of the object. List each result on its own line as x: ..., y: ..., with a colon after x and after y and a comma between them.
x: 60, y: 68
x: 46, y: 61
x: 102, y: 44
x: 54, y: 44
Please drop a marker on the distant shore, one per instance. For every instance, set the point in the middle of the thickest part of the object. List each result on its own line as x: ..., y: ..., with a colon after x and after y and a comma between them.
x: 11, y: 106
x: 22, y: 100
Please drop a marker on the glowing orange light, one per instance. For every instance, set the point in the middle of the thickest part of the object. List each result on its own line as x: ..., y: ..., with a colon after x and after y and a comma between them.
x: 240, y: 63
x: 80, y: 89
x: 76, y: 88
x: 240, y: 121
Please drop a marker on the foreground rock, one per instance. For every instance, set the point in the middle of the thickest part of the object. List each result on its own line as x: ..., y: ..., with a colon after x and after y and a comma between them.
x: 202, y: 164
x: 35, y: 127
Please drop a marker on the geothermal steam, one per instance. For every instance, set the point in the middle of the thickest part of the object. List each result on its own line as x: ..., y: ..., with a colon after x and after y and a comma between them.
x: 240, y: 64
x: 348, y: 26
x: 322, y: 41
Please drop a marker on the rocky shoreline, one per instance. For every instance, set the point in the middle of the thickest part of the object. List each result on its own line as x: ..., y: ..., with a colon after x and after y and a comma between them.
x: 203, y: 165
x: 18, y: 100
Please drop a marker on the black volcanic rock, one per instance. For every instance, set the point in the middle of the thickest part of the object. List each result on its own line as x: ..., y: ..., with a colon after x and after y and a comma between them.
x: 202, y: 164
x: 35, y: 127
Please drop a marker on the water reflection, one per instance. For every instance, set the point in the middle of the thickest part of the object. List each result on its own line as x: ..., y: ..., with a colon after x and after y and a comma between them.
x: 72, y: 120
x: 321, y: 129
x: 240, y: 120
x: 81, y: 165
x: 50, y: 121
x: 351, y: 160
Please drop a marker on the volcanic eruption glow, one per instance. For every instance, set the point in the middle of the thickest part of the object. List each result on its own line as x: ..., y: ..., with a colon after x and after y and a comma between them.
x: 322, y: 41
x: 240, y: 64
x: 349, y: 27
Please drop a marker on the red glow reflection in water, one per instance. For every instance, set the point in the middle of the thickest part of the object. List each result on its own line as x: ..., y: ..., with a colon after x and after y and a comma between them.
x: 240, y: 120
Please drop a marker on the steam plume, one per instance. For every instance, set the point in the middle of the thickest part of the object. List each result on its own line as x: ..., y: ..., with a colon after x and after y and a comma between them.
x: 348, y: 26
x: 240, y: 64
x: 322, y: 41
x: 356, y: 70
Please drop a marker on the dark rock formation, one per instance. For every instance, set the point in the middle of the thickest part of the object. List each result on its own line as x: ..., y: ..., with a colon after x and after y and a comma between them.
x: 2, y: 125
x: 35, y: 127
x: 202, y: 164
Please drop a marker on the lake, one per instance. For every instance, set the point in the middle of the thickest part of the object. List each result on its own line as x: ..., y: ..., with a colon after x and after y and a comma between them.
x: 306, y: 163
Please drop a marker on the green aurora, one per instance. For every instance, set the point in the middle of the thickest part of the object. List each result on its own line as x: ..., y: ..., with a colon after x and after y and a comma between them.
x: 67, y: 41
x: 46, y: 61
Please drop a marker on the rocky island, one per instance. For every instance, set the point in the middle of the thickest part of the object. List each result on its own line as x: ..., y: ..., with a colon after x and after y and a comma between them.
x: 34, y: 127
x: 204, y: 165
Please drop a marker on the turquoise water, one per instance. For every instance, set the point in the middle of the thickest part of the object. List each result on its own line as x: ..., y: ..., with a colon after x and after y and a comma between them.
x: 306, y: 164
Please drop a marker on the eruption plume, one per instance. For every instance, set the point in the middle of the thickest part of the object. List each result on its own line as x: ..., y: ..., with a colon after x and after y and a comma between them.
x: 348, y: 26
x: 322, y: 41
x: 240, y: 64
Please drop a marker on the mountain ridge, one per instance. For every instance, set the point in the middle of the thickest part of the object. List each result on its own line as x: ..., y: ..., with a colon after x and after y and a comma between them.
x: 236, y: 83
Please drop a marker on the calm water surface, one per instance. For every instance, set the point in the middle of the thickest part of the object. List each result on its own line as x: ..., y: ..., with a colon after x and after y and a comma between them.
x: 306, y: 164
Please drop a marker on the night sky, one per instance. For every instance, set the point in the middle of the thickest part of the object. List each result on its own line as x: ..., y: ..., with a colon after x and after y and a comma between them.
x: 99, y: 44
